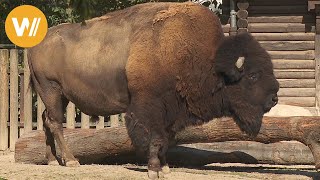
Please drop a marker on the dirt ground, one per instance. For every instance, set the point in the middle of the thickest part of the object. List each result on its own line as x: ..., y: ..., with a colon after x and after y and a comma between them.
x: 229, y: 171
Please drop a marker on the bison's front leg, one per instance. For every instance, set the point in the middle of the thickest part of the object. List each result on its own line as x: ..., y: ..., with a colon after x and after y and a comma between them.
x: 146, y: 129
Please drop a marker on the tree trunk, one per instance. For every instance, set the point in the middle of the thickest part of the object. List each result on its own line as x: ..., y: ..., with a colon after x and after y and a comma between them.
x: 92, y: 146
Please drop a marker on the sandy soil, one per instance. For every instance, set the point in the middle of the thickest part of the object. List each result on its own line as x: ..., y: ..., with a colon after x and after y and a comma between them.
x: 11, y: 170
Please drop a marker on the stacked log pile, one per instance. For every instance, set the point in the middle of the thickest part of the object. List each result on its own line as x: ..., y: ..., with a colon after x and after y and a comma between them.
x: 287, y: 30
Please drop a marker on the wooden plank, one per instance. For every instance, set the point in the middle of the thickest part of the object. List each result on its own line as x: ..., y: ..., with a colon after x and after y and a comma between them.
x: 40, y: 110
x: 293, y: 74
x: 280, y: 27
x: 287, y: 45
x: 21, y: 130
x: 122, y: 117
x: 292, y: 54
x: 4, y: 98
x: 277, y: 2
x: 298, y: 101
x: 71, y: 114
x: 242, y: 30
x: 280, y: 9
x: 297, y: 92
x: 281, y: 19
x: 312, y: 4
x: 114, y: 120
x: 317, y: 59
x: 284, y: 36
x: 293, y: 64
x: 14, y: 86
x: 297, y: 83
x: 85, y: 121
x: 100, y: 124
x: 226, y: 28
x: 27, y: 95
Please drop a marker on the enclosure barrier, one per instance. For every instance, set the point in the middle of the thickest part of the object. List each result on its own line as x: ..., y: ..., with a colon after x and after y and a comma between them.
x: 21, y: 108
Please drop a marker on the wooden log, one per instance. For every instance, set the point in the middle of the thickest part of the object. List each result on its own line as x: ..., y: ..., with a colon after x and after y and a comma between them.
x: 284, y: 36
x: 242, y: 14
x: 276, y: 2
x: 243, y: 4
x: 281, y: 19
x: 287, y: 45
x: 293, y: 64
x: 71, y: 113
x: 280, y: 27
x: 242, y: 23
x: 297, y: 92
x: 242, y: 30
x: 298, y: 101
x: 294, y: 74
x: 85, y: 121
x: 90, y: 145
x: 4, y: 99
x: 27, y: 95
x: 14, y: 86
x: 280, y: 9
x: 292, y: 54
x: 297, y: 83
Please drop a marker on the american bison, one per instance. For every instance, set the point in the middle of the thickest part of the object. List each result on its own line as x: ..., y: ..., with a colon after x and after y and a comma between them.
x: 167, y: 65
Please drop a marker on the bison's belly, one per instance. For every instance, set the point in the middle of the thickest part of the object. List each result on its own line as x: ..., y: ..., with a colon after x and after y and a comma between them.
x: 97, y: 96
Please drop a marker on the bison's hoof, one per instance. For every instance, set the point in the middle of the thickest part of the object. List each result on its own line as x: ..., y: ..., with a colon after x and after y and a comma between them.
x: 53, y: 163
x: 155, y: 175
x: 72, y: 164
x: 166, y: 169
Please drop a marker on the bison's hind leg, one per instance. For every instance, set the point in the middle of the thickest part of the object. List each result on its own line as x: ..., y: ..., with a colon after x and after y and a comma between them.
x: 53, y: 118
x: 50, y: 146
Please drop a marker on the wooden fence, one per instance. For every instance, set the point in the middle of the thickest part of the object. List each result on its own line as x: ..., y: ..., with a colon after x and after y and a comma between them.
x: 21, y: 108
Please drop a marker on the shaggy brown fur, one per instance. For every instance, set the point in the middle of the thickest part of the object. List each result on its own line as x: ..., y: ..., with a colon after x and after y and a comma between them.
x: 168, y: 65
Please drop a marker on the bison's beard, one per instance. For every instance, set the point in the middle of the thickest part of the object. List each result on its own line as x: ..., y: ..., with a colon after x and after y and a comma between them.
x: 247, y: 117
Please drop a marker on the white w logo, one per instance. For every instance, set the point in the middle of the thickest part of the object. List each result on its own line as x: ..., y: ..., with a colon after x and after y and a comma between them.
x: 25, y: 25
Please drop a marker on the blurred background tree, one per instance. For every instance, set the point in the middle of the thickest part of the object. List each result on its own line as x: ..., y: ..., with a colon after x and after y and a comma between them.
x: 62, y: 11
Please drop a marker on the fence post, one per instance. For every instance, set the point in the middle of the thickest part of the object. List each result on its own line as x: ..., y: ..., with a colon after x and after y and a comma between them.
x: 123, y: 120
x: 39, y: 113
x: 85, y: 121
x: 13, y: 98
x: 4, y: 99
x: 317, y: 57
x: 71, y: 112
x: 114, y: 120
x: 27, y: 95
x: 100, y: 124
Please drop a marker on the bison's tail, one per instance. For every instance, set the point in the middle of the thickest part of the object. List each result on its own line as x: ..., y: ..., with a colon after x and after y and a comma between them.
x: 33, y: 81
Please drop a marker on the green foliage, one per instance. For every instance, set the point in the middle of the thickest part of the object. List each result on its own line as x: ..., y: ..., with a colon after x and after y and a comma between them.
x: 61, y: 11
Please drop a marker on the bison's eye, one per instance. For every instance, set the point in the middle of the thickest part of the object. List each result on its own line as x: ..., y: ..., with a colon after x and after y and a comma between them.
x: 253, y: 76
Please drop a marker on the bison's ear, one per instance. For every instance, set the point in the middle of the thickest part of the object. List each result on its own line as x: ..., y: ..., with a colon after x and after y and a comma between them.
x: 230, y: 57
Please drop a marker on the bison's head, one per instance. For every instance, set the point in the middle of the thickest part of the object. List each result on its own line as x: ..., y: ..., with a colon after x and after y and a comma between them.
x: 250, y: 87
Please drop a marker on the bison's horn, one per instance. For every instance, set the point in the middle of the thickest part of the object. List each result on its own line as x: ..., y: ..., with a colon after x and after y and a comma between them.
x: 240, y: 62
